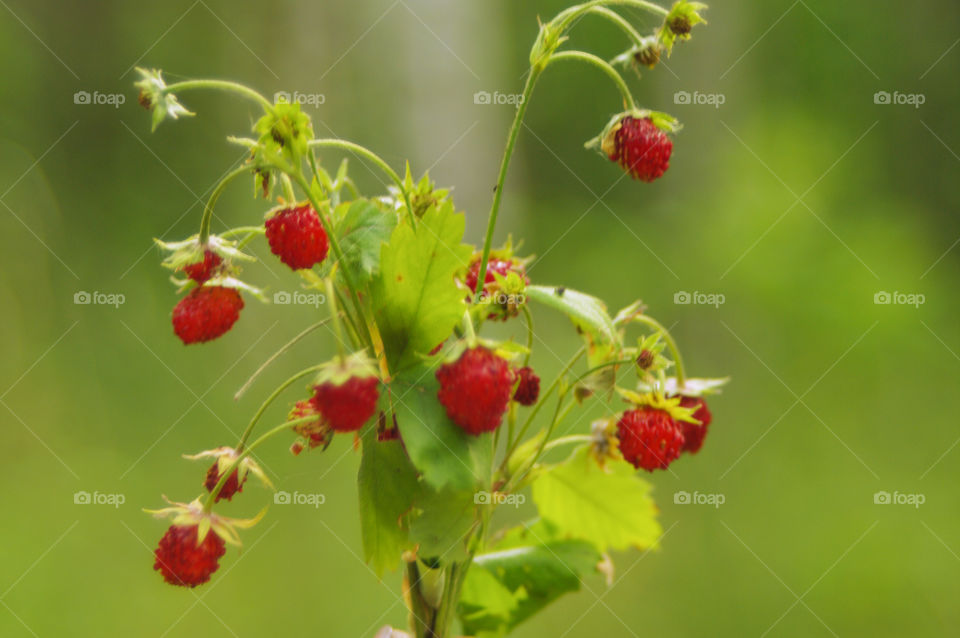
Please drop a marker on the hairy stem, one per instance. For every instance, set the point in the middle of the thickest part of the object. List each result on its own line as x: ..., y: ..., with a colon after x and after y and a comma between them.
x: 221, y: 85
x: 601, y: 64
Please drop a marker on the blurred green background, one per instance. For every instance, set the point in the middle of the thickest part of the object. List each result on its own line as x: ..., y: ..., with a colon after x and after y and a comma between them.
x: 798, y: 200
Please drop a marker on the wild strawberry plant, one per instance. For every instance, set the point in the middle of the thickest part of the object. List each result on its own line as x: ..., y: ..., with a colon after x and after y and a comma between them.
x: 449, y: 424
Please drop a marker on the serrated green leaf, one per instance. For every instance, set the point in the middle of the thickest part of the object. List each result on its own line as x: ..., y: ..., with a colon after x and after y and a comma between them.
x: 443, y: 452
x: 418, y: 303
x: 362, y: 231
x: 387, y: 484
x: 533, y: 567
x: 609, y: 507
x: 587, y: 313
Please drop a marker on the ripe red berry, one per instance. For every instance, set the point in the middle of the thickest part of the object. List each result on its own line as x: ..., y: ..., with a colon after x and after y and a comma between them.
x: 297, y: 237
x: 649, y: 438
x: 231, y: 487
x: 499, y: 266
x: 347, y: 406
x: 203, y: 270
x: 182, y: 561
x: 475, y: 389
x: 206, y: 313
x: 529, y: 387
x: 642, y: 149
x: 693, y: 434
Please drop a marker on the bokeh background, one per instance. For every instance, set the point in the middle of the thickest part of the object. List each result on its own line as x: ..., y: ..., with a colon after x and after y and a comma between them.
x: 798, y: 200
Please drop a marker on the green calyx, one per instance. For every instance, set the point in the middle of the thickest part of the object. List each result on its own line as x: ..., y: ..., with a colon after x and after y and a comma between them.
x: 605, y: 141
x: 154, y: 97
x: 342, y: 369
x: 679, y: 22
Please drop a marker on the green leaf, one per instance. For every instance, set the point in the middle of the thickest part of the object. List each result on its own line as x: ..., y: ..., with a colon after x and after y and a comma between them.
x: 441, y: 524
x: 609, y: 507
x: 443, y: 452
x: 362, y: 230
x: 417, y: 301
x: 530, y: 564
x: 387, y: 485
x: 587, y: 313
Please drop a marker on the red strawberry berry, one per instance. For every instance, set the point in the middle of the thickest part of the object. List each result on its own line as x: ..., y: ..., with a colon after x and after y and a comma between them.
x: 203, y: 270
x: 499, y: 266
x: 649, y: 438
x: 297, y: 237
x: 206, y: 313
x: 642, y: 149
x: 347, y: 406
x: 231, y: 487
x: 182, y: 561
x: 529, y: 387
x: 476, y: 389
x: 693, y: 434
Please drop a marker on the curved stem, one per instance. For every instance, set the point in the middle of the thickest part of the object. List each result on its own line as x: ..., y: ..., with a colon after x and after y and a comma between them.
x: 567, y: 440
x: 373, y: 157
x: 677, y: 360
x: 617, y: 362
x: 270, y: 399
x: 567, y: 16
x: 532, y: 76
x: 221, y: 85
x: 601, y: 64
x: 618, y: 20
x: 214, y: 196
x: 337, y: 328
x: 275, y: 356
x: 212, y: 498
x: 243, y: 230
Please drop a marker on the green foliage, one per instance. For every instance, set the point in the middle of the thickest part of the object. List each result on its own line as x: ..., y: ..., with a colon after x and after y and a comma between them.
x: 442, y: 452
x: 442, y: 524
x: 417, y: 303
x: 526, y: 571
x: 387, y: 485
x: 608, y: 506
x: 363, y: 228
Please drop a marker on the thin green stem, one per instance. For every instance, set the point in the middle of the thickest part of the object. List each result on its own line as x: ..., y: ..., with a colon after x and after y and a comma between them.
x: 597, y: 368
x: 212, y: 498
x: 567, y: 440
x: 618, y: 20
x: 601, y: 64
x: 276, y: 355
x: 337, y: 328
x: 528, y: 316
x: 543, y: 398
x: 270, y: 399
x: 207, y: 218
x: 532, y: 77
x: 674, y: 350
x: 373, y: 157
x: 221, y: 85
x: 243, y: 230
x: 288, y: 188
x: 565, y: 18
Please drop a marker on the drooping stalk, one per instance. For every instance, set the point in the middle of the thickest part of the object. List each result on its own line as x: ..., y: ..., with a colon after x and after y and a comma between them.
x: 221, y: 85
x: 207, y: 217
x: 275, y: 356
x: 601, y: 64
x: 270, y: 399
